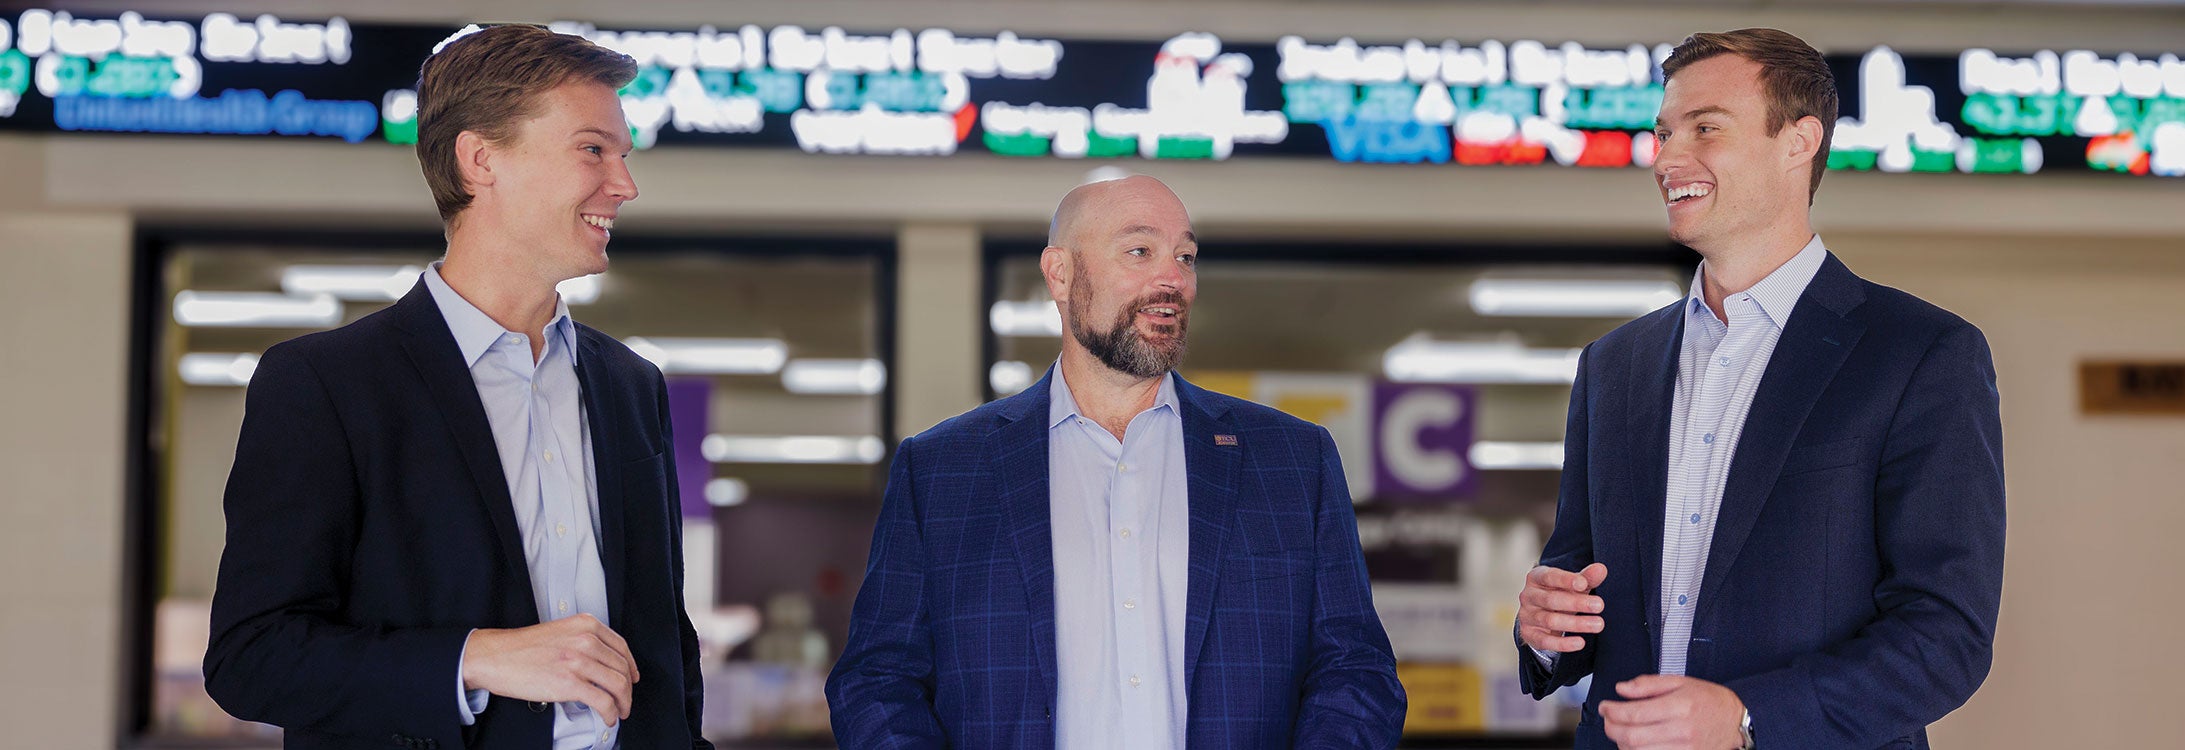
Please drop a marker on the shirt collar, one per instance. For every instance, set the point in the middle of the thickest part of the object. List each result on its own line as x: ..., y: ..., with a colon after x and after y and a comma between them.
x: 1061, y: 405
x: 475, y: 331
x: 1777, y: 295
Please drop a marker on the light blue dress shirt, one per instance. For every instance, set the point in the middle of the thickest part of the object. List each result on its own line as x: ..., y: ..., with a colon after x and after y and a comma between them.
x: 536, y: 410
x: 1718, y: 369
x: 1121, y: 524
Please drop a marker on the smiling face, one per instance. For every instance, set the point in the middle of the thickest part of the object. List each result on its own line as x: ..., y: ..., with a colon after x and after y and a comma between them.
x: 1724, y: 177
x: 555, y: 187
x: 1124, y: 267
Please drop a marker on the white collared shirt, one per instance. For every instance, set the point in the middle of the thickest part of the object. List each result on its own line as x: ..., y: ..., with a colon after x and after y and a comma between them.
x: 1121, y: 526
x: 1719, y: 367
x: 536, y: 410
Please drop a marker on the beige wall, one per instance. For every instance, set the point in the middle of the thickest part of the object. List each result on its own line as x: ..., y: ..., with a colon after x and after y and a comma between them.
x: 2053, y: 268
x: 64, y: 335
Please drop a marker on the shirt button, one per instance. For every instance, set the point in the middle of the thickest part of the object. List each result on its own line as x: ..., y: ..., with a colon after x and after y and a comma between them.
x: 563, y: 605
x: 1682, y: 598
x: 1708, y: 438
x: 1134, y: 680
x: 1126, y: 533
x: 562, y: 529
x: 1724, y: 361
x: 1695, y: 518
x: 604, y: 734
x: 1122, y: 467
x: 550, y: 455
x: 1130, y: 604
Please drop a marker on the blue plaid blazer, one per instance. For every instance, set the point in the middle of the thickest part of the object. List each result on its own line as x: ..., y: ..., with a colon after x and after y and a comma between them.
x: 952, y: 636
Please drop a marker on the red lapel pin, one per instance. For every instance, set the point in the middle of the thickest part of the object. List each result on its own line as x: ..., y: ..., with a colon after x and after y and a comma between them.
x: 1225, y: 440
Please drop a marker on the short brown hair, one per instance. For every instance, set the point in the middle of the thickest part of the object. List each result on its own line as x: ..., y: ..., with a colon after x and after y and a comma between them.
x: 488, y: 81
x: 1794, y: 76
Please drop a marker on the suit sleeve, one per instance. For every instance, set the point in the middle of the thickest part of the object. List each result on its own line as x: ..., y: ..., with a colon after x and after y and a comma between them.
x: 1351, y: 696
x: 1939, y: 527
x: 1570, y: 546
x: 880, y: 694
x: 694, y: 678
x: 280, y: 652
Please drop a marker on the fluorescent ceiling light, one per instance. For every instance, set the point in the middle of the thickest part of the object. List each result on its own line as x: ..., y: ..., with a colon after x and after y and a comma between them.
x: 1492, y: 454
x: 582, y: 290
x: 1030, y: 318
x: 686, y: 356
x: 1009, y: 378
x: 1573, y: 298
x: 1419, y: 359
x: 255, y: 310
x: 727, y: 492
x: 386, y: 283
x: 365, y: 283
x: 202, y: 368
x: 792, y: 449
x: 834, y: 376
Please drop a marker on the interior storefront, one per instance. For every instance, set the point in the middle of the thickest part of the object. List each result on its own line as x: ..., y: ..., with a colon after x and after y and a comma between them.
x: 776, y: 356
x: 1412, y: 217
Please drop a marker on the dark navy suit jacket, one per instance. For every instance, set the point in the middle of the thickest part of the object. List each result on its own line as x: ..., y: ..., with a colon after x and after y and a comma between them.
x: 952, y: 636
x: 369, y: 529
x: 1851, y: 593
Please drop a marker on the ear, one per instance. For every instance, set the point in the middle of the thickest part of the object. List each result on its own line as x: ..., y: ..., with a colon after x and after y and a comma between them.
x: 1055, y: 266
x: 474, y: 158
x: 1805, y: 139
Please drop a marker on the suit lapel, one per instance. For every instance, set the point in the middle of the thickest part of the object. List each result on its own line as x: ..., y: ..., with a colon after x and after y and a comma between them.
x: 1654, y: 366
x: 1212, y: 496
x: 432, y: 350
x: 1807, y: 355
x: 1019, y: 448
x: 594, y: 378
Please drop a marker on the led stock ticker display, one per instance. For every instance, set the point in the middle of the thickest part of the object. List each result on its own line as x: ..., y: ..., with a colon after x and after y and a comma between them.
x: 934, y: 92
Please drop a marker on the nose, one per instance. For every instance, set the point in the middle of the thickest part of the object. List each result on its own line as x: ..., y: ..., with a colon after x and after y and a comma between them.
x: 1672, y: 155
x: 620, y: 184
x: 1172, y: 275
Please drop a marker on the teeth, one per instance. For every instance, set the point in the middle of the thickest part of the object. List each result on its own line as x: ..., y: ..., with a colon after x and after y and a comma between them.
x: 599, y: 221
x: 1161, y: 310
x: 1688, y: 191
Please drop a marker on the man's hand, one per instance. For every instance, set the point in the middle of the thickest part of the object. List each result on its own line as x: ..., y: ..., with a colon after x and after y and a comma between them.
x: 1555, y: 604
x: 1670, y: 712
x: 571, y: 659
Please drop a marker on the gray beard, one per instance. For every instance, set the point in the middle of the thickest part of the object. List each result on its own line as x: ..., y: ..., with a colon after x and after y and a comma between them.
x: 1123, y: 350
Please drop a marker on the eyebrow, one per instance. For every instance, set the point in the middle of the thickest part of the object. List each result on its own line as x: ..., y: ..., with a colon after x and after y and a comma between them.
x: 1189, y: 236
x: 1696, y: 113
x: 613, y: 137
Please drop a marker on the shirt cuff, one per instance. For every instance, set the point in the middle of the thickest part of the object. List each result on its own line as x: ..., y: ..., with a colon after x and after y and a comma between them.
x: 469, y: 703
x: 1547, y: 658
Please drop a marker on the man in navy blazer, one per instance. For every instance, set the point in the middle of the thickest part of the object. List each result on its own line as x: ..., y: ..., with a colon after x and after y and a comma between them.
x: 1114, y: 557
x: 454, y: 523
x: 1781, y: 517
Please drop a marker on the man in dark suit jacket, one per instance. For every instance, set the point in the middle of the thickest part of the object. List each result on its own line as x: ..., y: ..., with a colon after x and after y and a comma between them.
x: 453, y: 523
x: 1781, y: 518
x: 1114, y: 557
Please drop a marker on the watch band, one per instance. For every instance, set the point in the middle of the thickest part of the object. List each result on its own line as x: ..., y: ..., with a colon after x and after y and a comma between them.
x: 1745, y: 728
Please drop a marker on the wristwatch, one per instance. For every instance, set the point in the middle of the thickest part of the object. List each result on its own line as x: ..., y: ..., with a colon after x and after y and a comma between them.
x: 1745, y: 727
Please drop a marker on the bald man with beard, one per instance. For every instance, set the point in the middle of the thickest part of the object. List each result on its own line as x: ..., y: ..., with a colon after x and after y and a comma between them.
x: 1115, y: 557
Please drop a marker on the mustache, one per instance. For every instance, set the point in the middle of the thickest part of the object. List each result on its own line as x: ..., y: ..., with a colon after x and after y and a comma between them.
x: 1171, y: 299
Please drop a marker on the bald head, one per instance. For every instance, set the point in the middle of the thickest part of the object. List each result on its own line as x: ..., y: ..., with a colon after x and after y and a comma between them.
x: 1094, y: 205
